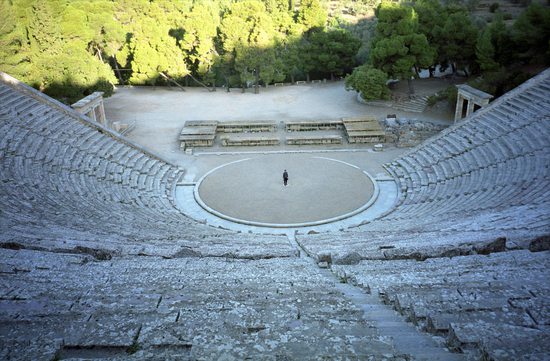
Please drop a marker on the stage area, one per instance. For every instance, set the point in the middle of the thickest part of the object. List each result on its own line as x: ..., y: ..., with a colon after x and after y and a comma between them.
x: 251, y: 190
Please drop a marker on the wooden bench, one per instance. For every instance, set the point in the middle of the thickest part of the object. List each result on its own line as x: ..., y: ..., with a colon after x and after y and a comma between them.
x: 367, y: 136
x: 249, y: 140
x: 358, y: 127
x: 364, y: 119
x: 363, y: 130
x: 203, y: 140
x: 314, y: 139
x: 197, y: 136
x: 201, y: 123
x: 309, y: 125
x: 247, y: 126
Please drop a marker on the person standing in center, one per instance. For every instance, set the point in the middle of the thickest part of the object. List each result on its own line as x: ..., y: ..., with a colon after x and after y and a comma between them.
x: 285, y: 177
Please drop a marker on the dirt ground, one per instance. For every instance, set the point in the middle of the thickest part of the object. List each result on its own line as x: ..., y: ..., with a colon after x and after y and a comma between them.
x: 157, y: 114
x: 319, y: 188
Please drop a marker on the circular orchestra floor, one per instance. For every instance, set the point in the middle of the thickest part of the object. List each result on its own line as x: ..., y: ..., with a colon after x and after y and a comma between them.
x: 251, y: 190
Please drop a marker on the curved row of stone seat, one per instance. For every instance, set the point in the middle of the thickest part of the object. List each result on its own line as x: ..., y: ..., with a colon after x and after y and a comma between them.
x: 66, y: 182
x: 451, y: 238
x: 60, y: 306
x: 497, y: 158
x: 481, y: 187
x: 482, y: 169
x: 43, y: 142
x: 485, y: 179
x: 495, y: 306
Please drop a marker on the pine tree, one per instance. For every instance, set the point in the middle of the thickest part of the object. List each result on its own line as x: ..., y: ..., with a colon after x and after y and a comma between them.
x: 311, y: 15
x: 457, y: 39
x: 248, y: 37
x: 200, y: 30
x: 485, y: 52
x: 398, y: 48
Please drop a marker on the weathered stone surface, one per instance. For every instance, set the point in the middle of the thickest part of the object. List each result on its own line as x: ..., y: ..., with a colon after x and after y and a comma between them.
x: 541, y: 243
x: 469, y: 300
x: 189, y: 307
x: 96, y: 262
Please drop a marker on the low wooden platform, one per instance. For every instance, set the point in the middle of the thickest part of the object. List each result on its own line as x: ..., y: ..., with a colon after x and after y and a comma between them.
x: 249, y: 140
x: 309, y: 125
x: 244, y: 126
x: 197, y: 136
x: 363, y: 130
x: 201, y: 123
x: 314, y: 139
x: 367, y: 136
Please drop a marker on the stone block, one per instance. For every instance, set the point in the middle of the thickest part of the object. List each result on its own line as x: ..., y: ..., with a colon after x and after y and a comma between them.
x: 119, y: 126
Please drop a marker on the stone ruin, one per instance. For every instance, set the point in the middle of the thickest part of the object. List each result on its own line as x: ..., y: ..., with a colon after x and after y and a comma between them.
x: 469, y: 100
x: 97, y: 263
x: 406, y: 133
x: 92, y: 107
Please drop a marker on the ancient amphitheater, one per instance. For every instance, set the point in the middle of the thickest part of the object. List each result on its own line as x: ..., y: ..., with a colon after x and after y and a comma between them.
x: 97, y: 262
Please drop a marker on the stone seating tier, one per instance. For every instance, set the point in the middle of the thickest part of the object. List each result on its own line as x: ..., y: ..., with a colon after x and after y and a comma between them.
x: 68, y: 306
x: 73, y: 187
x: 492, y: 159
x: 468, y: 300
x: 71, y: 174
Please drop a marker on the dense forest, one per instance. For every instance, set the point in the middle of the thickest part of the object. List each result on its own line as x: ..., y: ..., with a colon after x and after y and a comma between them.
x: 69, y: 48
x: 427, y: 33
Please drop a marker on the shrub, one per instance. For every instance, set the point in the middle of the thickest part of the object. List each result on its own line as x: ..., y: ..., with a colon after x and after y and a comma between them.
x: 368, y: 81
x: 494, y: 7
x: 436, y: 98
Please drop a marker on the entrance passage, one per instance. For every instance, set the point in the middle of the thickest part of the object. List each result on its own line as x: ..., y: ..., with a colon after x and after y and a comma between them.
x: 251, y: 191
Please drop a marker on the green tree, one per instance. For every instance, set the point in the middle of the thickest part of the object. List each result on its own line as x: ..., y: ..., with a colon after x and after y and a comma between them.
x: 485, y: 52
x: 54, y: 47
x: 531, y: 32
x: 198, y: 41
x: 398, y: 48
x: 151, y: 48
x: 369, y: 82
x: 92, y: 23
x: 333, y: 51
x: 457, y: 39
x: 248, y: 36
x: 431, y: 19
x: 282, y: 17
x: 293, y: 57
x: 90, y: 26
x: 311, y: 15
x: 14, y: 47
x: 502, y: 41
